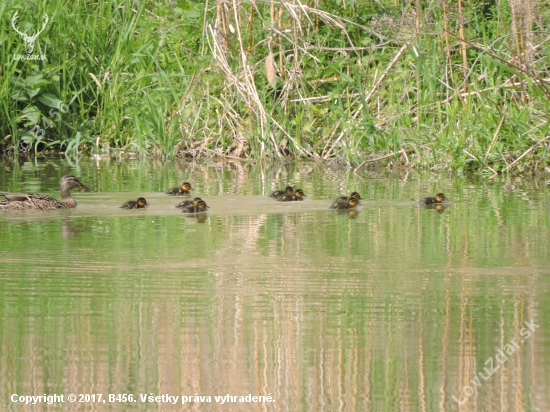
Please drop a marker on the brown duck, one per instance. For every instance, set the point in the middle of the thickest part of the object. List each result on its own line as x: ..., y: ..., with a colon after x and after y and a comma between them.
x: 185, y: 203
x: 200, y: 207
x: 344, y: 199
x: 185, y: 189
x: 298, y: 195
x: 289, y: 190
x: 349, y: 204
x: 141, y: 203
x: 439, y: 198
x: 19, y: 201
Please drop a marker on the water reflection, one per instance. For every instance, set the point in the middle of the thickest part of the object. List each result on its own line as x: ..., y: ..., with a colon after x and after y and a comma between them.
x: 351, y: 213
x: 199, y: 217
x: 73, y: 227
x: 383, y: 307
x: 440, y: 207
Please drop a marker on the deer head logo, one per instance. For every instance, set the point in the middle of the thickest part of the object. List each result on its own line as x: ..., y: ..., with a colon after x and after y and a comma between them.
x: 29, y: 40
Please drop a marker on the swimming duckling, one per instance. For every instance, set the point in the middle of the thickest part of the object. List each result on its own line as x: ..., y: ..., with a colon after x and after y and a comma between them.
x: 19, y: 201
x: 344, y: 199
x: 350, y: 204
x: 289, y: 190
x: 185, y: 189
x: 298, y: 195
x: 185, y: 203
x: 439, y: 198
x: 141, y: 203
x: 200, y: 207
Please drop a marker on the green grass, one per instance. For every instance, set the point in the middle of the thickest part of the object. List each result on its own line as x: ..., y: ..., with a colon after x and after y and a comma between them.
x: 358, y: 82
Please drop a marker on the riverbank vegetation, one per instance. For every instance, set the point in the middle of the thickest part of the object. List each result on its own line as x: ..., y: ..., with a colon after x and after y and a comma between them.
x: 460, y: 84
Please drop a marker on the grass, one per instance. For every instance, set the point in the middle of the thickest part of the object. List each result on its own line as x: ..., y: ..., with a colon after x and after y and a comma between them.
x: 451, y: 86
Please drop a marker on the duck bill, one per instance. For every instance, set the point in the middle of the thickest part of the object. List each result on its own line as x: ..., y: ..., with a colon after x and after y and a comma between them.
x: 85, y: 188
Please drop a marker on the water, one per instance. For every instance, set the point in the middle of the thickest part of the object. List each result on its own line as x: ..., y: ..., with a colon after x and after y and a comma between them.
x: 390, y: 307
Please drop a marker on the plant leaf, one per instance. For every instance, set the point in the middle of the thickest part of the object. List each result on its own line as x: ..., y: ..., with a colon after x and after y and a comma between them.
x: 49, y: 100
x: 32, y: 114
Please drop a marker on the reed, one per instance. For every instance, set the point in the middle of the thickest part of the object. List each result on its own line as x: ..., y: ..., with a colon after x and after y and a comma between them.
x: 428, y: 83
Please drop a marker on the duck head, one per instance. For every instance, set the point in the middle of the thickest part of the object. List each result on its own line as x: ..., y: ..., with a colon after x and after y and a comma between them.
x: 142, y: 202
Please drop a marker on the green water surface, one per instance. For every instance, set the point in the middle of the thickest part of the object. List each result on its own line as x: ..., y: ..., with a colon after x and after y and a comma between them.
x: 389, y: 307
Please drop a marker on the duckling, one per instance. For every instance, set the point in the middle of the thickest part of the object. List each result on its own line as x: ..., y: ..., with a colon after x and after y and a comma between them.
x: 185, y: 189
x: 344, y: 199
x: 298, y: 195
x: 439, y: 198
x: 43, y: 202
x: 200, y: 207
x: 289, y: 190
x: 141, y: 203
x: 349, y: 204
x: 185, y: 203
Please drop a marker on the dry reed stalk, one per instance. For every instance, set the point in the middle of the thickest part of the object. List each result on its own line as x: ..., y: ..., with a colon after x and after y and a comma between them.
x: 496, y: 132
x: 402, y: 152
x: 448, y: 51
x: 544, y: 84
x: 525, y: 153
x: 243, y: 81
x: 251, y: 27
x: 418, y: 17
x: 523, y: 17
x: 329, y: 19
x: 514, y: 23
x: 446, y: 35
x: 204, y: 27
x: 281, y: 50
x: 463, y: 44
x: 270, y: 68
x: 369, y: 95
x: 233, y: 59
x: 295, y: 45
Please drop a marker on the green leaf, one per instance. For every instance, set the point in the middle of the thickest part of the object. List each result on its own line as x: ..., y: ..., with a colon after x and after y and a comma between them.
x: 49, y: 100
x: 346, y: 78
x: 36, y: 80
x: 32, y: 113
x: 192, y: 14
x: 33, y: 92
x: 19, y: 95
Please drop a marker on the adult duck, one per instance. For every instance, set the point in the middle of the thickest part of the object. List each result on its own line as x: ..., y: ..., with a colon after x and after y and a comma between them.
x: 19, y: 201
